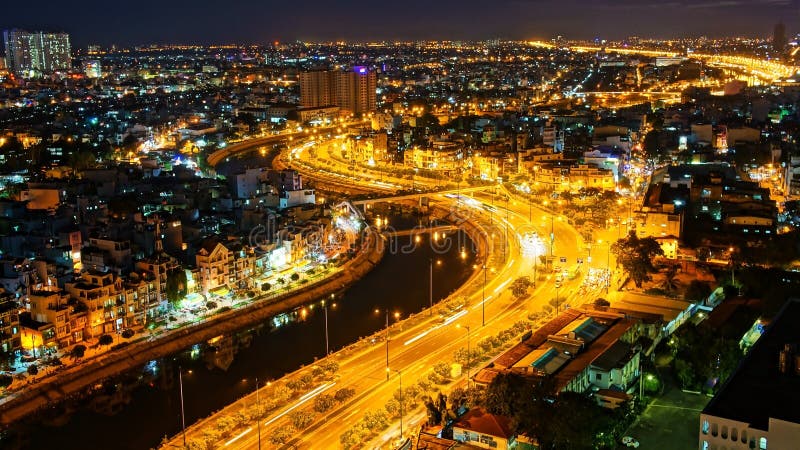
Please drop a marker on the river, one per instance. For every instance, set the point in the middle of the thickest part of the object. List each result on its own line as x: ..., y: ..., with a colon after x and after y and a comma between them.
x: 139, y: 408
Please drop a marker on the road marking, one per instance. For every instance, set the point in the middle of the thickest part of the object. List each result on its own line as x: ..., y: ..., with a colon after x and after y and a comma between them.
x: 352, y: 413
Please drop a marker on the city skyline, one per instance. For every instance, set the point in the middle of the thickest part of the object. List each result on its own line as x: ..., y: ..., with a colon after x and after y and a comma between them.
x: 249, y: 22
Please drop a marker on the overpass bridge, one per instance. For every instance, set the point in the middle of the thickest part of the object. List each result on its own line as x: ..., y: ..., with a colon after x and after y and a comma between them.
x: 238, y: 147
x: 420, y: 230
x: 400, y: 198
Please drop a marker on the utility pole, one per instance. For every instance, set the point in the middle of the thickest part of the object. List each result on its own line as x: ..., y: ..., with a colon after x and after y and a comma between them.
x: 387, y: 345
x: 430, y: 285
x: 483, y: 301
x: 183, y: 417
x: 258, y: 416
x: 325, y: 308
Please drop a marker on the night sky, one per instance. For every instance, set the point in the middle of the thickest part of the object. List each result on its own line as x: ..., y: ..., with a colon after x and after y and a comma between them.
x: 261, y: 21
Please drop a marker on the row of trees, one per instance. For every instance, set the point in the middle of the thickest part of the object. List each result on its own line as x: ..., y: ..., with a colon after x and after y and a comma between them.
x: 272, y: 398
x: 427, y: 387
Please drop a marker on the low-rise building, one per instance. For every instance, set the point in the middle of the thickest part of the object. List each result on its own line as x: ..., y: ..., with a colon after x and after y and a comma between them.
x: 480, y: 429
x: 105, y: 299
x: 53, y: 307
x: 9, y: 325
x: 579, y: 350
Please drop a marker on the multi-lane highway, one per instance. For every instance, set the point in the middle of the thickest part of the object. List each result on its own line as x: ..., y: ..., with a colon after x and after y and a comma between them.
x: 413, y: 349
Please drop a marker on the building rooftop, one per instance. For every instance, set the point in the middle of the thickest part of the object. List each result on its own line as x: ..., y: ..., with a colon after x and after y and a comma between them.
x: 565, y: 346
x: 614, y: 357
x: 757, y: 391
x: 481, y: 421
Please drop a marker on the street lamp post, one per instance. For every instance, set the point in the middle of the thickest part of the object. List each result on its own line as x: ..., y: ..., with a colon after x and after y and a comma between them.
x: 400, y: 379
x: 183, y: 417
x: 530, y: 207
x: 325, y: 308
x: 483, y: 300
x: 430, y: 285
x: 387, y: 345
x: 258, y: 415
x: 557, y: 305
x: 396, y: 315
x: 608, y: 267
x: 469, y: 354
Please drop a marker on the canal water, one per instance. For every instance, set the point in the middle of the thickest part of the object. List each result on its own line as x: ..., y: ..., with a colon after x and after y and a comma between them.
x: 136, y: 410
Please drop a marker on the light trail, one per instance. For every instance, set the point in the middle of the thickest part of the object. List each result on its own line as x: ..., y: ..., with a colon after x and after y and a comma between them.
x: 238, y: 436
x: 305, y: 398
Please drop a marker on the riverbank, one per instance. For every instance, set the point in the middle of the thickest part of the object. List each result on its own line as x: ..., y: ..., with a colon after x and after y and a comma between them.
x: 214, y: 432
x: 72, y: 381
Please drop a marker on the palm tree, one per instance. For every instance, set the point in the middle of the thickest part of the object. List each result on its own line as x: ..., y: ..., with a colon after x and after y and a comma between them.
x: 670, y: 283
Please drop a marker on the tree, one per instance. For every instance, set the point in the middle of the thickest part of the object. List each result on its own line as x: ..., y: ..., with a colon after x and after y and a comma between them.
x: 670, y: 283
x: 33, y: 370
x: 697, y: 290
x: 81, y: 160
x: 78, y: 351
x: 105, y: 340
x: 176, y: 285
x: 295, y: 276
x: 651, y: 144
x: 601, y: 303
x: 323, y: 403
x: 509, y: 394
x: 375, y: 420
x: 282, y: 435
x: 5, y: 381
x: 130, y: 142
x: 343, y: 394
x: 301, y: 419
x: 636, y: 256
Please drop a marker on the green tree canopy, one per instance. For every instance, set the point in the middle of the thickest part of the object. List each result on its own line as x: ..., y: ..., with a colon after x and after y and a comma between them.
x: 636, y: 256
x: 176, y: 285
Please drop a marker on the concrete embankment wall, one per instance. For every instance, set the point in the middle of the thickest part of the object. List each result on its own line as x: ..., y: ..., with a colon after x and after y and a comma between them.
x: 72, y: 381
x: 480, y: 238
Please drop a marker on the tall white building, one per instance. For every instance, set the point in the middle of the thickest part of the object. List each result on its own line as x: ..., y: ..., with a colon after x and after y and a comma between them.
x: 37, y: 52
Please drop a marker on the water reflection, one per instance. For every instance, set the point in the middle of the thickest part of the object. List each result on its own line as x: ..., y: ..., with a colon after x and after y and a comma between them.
x: 137, y: 409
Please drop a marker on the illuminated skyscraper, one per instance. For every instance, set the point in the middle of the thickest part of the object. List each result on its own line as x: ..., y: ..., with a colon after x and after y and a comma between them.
x: 353, y: 91
x: 315, y: 88
x: 38, y: 52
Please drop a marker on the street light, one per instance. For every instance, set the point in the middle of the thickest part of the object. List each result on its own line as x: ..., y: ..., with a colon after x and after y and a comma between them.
x: 258, y: 415
x: 396, y: 316
x: 608, y: 263
x: 430, y: 279
x: 400, y: 379
x: 469, y: 354
x: 183, y: 416
x: 325, y: 308
x: 483, y: 298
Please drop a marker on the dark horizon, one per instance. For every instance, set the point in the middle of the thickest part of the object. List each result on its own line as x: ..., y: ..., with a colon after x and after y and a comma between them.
x: 251, y: 22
